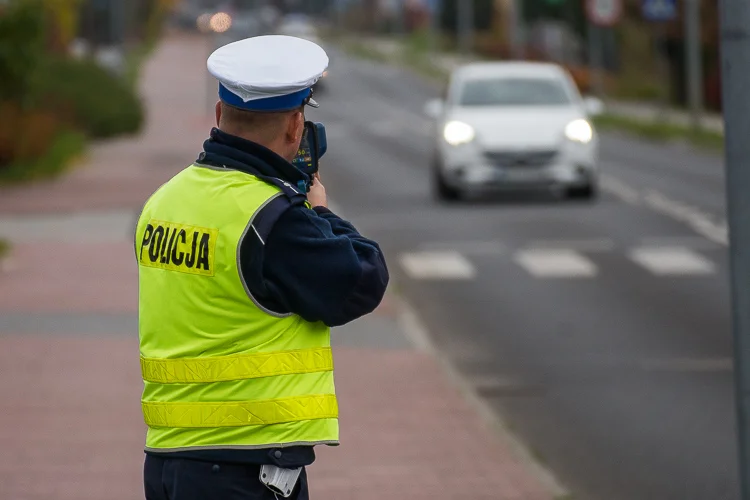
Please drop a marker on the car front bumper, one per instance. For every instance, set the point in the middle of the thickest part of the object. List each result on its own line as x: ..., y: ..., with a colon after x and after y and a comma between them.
x: 565, y: 167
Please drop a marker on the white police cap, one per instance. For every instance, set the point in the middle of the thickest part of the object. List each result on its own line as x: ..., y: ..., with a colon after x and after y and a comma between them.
x: 268, y: 73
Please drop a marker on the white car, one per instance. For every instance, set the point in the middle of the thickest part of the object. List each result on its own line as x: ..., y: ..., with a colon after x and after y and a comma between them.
x: 510, y: 125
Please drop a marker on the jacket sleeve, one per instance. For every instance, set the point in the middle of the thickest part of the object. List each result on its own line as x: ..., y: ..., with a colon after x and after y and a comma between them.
x: 316, y: 265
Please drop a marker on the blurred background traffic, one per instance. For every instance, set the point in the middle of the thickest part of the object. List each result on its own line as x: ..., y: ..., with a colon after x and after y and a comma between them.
x: 646, y: 57
x: 545, y: 177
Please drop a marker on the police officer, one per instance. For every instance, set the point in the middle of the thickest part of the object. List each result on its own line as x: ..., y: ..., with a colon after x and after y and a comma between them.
x: 242, y: 273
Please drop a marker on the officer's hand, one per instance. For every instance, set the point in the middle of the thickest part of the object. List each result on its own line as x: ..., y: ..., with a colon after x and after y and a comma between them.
x: 317, y: 195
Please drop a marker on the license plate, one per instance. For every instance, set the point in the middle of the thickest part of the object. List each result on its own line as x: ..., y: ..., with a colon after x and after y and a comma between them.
x: 521, y: 175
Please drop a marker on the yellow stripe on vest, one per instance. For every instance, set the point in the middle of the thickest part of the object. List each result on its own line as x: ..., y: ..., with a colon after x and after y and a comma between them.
x: 238, y: 367
x: 240, y: 413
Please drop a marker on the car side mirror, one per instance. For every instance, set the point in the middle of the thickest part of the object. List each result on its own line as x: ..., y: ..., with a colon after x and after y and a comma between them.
x: 434, y: 108
x: 593, y: 106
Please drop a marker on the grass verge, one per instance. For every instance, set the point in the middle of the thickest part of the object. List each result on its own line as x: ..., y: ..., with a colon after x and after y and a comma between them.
x: 661, y: 131
x: 408, y: 56
x: 65, y: 148
x: 362, y: 51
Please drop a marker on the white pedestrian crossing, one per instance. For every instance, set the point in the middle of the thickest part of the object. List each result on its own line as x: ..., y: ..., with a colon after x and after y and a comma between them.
x: 555, y: 263
x: 441, y: 261
x: 672, y: 261
x: 441, y: 265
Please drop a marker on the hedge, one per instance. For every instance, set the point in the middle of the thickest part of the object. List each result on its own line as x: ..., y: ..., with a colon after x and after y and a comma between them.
x: 93, y: 100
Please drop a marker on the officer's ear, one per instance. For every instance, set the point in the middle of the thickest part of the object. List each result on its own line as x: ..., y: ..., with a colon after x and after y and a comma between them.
x: 295, y: 127
x: 218, y: 113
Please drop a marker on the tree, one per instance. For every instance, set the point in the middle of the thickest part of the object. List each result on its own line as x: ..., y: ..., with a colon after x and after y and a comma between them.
x: 21, y: 48
x: 62, y: 16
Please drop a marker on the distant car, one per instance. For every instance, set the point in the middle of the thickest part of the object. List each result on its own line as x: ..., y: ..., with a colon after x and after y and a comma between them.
x: 245, y: 24
x: 302, y: 26
x: 511, y: 125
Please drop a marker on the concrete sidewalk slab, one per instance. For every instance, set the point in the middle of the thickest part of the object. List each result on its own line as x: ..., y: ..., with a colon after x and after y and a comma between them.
x: 68, y: 277
x: 70, y: 425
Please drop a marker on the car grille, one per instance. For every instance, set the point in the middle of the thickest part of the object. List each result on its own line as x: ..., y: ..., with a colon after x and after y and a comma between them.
x: 537, y: 158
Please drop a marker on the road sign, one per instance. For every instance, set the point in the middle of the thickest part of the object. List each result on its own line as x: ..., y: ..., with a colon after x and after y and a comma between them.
x: 659, y: 10
x: 604, y: 12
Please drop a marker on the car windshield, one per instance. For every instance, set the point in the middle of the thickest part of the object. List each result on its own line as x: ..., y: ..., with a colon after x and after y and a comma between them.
x: 514, y: 92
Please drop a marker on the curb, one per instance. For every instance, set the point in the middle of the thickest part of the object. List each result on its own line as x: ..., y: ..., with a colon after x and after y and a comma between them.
x: 418, y: 334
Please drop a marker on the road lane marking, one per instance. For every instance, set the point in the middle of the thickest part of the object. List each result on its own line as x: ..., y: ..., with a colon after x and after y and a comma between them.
x: 675, y: 261
x: 558, y: 263
x: 620, y: 189
x: 439, y: 265
x: 700, y: 221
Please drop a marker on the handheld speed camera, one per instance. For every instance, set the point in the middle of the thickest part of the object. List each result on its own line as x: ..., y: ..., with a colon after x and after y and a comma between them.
x: 312, y: 147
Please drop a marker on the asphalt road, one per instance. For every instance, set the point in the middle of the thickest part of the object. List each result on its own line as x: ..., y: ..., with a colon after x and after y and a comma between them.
x: 600, y: 332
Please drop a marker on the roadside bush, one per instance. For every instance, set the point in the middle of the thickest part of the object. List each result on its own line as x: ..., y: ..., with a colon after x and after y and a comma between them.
x: 25, y: 133
x: 34, y: 143
x: 49, y: 103
x: 21, y: 48
x: 92, y: 99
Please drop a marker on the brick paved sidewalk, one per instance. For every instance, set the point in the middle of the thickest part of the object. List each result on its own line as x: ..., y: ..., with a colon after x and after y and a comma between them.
x: 70, y: 423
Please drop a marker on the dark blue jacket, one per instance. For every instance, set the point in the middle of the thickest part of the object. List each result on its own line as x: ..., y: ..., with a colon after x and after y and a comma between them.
x: 305, y: 261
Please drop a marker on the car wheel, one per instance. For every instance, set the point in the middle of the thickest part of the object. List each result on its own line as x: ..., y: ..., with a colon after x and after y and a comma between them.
x: 442, y: 190
x: 587, y: 192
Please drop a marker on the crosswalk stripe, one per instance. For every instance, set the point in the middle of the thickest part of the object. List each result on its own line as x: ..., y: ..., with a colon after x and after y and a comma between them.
x: 672, y: 261
x: 443, y: 265
x: 439, y: 261
x: 555, y: 263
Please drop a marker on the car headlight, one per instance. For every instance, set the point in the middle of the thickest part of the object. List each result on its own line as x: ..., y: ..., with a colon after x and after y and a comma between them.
x: 579, y: 131
x: 457, y: 133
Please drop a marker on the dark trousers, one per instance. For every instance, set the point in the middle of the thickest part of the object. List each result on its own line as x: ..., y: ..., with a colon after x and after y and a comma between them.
x: 181, y: 479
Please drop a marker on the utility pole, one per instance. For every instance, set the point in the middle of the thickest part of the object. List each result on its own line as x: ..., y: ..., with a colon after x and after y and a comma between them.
x: 436, y: 11
x: 465, y: 20
x: 694, y: 60
x: 517, y: 36
x: 339, y: 6
x: 735, y: 67
x: 400, y: 18
x: 595, y: 58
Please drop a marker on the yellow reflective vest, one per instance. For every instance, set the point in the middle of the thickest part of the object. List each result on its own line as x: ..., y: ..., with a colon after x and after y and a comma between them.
x: 220, y: 370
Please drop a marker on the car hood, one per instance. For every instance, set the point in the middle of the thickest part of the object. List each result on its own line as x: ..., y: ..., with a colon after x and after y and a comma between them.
x: 514, y: 127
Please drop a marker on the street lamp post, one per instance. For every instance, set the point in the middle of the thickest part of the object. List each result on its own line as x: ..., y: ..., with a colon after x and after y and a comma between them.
x: 735, y: 55
x: 465, y: 19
